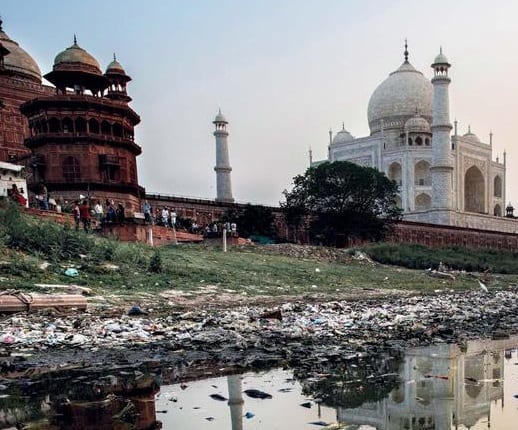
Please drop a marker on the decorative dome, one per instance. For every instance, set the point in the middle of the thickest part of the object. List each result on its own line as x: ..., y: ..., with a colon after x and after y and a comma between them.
x: 18, y: 61
x: 76, y: 58
x: 441, y: 58
x: 115, y: 67
x: 343, y: 136
x: 472, y: 137
x: 220, y: 118
x: 397, y: 98
x: 417, y: 124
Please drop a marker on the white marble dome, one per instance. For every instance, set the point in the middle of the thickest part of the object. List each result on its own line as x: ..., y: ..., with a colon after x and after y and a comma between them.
x: 417, y: 124
x: 343, y: 136
x: 397, y: 98
x: 472, y: 137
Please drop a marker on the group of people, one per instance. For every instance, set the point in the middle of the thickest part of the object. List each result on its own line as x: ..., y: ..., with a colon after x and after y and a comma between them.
x: 107, y: 214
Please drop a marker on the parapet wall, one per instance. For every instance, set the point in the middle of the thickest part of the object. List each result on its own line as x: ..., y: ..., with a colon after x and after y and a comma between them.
x: 440, y: 236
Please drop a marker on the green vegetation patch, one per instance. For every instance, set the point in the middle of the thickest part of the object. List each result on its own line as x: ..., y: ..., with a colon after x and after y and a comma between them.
x: 421, y: 257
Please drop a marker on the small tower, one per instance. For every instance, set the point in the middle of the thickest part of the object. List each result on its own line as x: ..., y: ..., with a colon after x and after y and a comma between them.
x: 442, y: 164
x: 223, y: 169
x: 118, y: 79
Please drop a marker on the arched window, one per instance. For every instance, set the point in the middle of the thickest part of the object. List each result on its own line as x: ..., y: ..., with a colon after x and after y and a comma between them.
x: 497, y: 211
x: 54, y: 125
x: 410, y: 143
x: 427, y: 141
x: 423, y: 202
x: 497, y: 186
x: 117, y: 130
x: 80, y: 125
x: 71, y: 169
x: 133, y: 173
x: 422, y: 173
x: 419, y: 141
x: 93, y: 126
x: 68, y: 125
x: 106, y: 128
x: 474, y: 190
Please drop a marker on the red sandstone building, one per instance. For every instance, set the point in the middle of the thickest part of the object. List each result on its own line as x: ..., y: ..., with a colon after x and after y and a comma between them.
x: 77, y: 137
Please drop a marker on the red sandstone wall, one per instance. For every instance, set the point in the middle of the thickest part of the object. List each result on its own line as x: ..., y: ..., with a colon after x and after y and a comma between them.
x: 440, y: 236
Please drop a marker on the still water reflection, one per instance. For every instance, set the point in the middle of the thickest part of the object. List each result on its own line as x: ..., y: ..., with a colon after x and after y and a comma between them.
x: 471, y: 386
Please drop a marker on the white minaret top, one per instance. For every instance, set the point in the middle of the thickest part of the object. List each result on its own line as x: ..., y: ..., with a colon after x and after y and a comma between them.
x: 222, y: 168
x: 442, y: 164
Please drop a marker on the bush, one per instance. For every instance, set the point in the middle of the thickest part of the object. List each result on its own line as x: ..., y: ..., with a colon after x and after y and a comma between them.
x: 421, y: 257
x: 155, y: 263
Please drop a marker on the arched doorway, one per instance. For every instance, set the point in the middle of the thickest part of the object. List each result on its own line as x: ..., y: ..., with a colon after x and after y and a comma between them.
x: 474, y: 190
x: 422, y: 173
x: 394, y: 173
x: 423, y: 202
x: 497, y: 211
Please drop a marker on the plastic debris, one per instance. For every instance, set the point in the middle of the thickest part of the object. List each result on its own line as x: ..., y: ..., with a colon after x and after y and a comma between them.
x: 257, y: 394
x: 249, y: 415
x: 72, y: 272
x: 218, y: 397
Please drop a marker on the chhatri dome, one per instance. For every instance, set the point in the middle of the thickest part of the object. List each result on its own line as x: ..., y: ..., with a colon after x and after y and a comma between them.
x: 115, y: 67
x: 76, y: 58
x: 397, y: 98
x: 343, y: 136
x: 472, y: 137
x: 18, y: 61
x: 417, y: 124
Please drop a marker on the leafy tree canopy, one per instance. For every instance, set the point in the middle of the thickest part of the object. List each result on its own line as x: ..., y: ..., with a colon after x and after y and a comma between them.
x: 342, y: 200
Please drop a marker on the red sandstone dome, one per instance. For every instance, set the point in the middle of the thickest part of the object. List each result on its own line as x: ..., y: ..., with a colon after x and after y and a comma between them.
x: 115, y: 67
x: 76, y: 58
x: 76, y: 68
x: 18, y: 61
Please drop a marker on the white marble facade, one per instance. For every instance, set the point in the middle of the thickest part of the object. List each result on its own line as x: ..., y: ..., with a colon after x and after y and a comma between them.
x: 408, y: 115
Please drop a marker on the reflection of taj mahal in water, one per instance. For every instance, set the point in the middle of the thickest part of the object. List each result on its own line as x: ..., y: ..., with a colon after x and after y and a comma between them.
x: 442, y: 387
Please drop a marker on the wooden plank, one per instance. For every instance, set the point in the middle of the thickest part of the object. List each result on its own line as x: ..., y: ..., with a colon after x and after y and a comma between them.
x: 26, y: 302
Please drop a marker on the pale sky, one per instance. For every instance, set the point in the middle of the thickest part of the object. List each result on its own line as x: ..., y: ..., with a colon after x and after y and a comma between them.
x: 282, y: 71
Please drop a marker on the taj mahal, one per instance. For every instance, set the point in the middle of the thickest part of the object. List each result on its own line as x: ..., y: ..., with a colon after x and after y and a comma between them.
x: 444, y: 177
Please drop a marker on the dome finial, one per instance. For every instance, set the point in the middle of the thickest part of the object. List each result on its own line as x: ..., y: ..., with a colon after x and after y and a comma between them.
x: 469, y: 129
x: 343, y: 125
x: 75, y: 39
x: 1, y: 22
x: 406, y: 51
x: 114, y: 57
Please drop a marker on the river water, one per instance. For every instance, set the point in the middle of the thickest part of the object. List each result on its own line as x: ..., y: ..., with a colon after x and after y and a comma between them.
x: 467, y: 386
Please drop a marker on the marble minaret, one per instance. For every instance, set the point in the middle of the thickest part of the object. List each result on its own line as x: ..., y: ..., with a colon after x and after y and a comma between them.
x: 442, y: 163
x: 223, y: 169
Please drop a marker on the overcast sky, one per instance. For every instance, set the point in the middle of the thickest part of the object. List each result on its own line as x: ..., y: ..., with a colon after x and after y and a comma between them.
x: 283, y: 73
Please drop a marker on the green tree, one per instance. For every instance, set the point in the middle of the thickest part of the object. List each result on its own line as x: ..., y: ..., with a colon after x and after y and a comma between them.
x: 343, y: 200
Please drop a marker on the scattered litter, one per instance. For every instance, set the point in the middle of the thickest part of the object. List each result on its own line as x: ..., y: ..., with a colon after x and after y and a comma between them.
x: 218, y: 397
x: 257, y: 394
x: 72, y: 272
x: 249, y: 415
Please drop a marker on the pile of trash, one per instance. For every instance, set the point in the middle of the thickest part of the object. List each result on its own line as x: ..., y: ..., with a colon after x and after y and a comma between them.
x: 252, y: 337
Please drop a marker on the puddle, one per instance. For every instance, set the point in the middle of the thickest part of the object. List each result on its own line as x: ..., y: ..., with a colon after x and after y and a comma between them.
x: 470, y: 386
x: 195, y: 409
